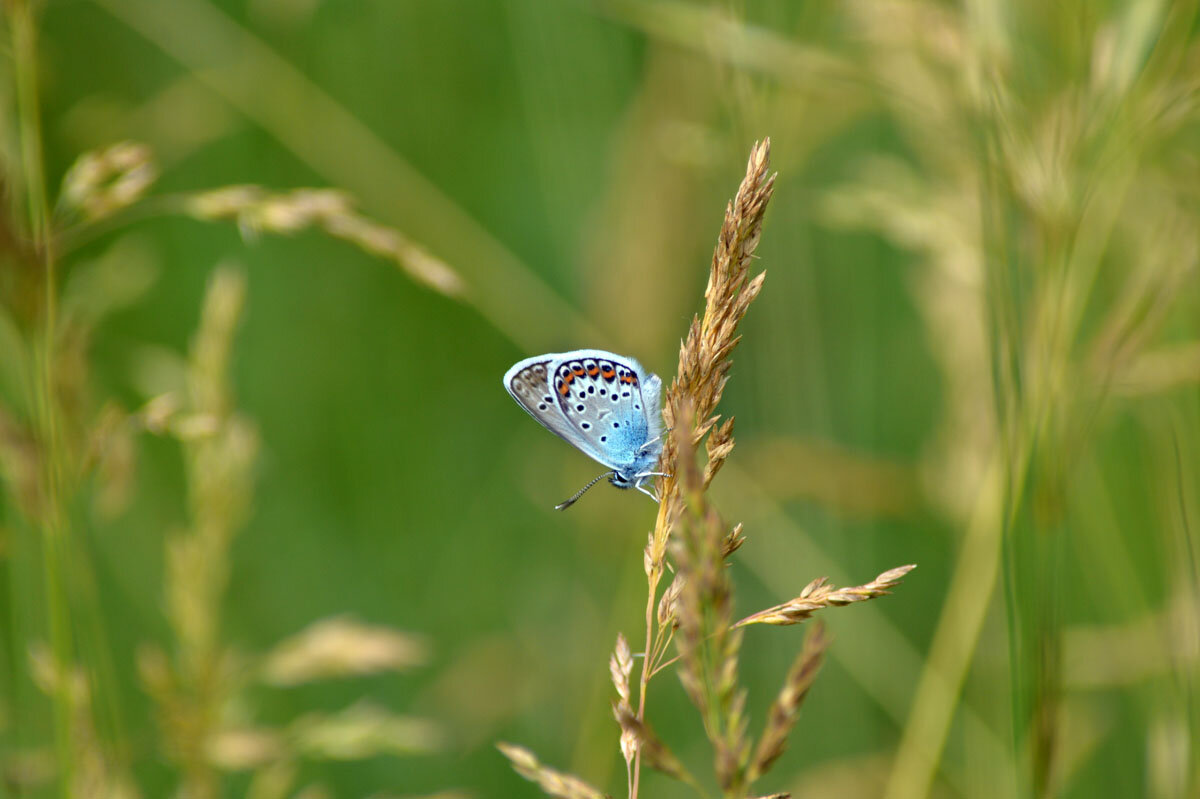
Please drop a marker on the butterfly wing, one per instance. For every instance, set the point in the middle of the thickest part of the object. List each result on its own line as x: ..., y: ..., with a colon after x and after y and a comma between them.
x: 603, y: 404
x: 608, y: 401
x: 528, y: 384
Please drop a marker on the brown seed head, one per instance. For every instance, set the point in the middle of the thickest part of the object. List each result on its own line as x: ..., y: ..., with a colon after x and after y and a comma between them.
x: 819, y: 594
x: 782, y: 716
x: 553, y: 783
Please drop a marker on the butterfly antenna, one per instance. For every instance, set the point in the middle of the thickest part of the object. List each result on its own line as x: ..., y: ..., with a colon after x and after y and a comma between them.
x: 580, y: 492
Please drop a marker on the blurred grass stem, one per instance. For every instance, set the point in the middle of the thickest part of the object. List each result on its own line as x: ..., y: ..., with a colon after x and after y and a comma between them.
x: 266, y: 88
x: 52, y: 516
x: 953, y: 647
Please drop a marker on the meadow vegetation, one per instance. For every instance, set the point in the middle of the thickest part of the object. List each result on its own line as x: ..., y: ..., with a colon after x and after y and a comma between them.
x: 268, y: 527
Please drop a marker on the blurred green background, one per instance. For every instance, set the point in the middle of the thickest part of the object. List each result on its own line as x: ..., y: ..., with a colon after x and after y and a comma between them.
x: 977, y: 350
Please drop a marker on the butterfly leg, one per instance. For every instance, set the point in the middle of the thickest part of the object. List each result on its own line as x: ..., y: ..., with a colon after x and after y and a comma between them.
x: 639, y: 487
x: 657, y: 438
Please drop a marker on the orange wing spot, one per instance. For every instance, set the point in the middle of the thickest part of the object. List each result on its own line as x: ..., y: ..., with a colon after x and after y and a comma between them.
x: 564, y: 389
x: 626, y: 379
x: 567, y: 378
x: 595, y: 370
x: 577, y: 369
x: 608, y: 374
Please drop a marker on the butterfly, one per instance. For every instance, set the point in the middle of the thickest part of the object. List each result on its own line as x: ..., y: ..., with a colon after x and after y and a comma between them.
x: 605, y: 405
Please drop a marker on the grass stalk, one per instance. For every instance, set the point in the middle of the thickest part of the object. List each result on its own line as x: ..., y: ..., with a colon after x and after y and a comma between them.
x: 53, y: 516
x: 950, y: 654
x: 697, y: 388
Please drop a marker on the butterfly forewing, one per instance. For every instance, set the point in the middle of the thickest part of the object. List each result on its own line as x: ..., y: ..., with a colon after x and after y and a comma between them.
x: 601, y: 397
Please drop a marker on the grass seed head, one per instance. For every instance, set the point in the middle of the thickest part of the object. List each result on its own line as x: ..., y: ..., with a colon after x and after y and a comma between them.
x: 819, y: 594
x: 553, y: 783
x: 783, y: 713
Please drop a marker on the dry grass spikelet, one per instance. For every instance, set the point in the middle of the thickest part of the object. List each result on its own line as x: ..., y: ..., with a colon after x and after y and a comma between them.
x: 256, y: 210
x: 666, y: 604
x: 361, y: 731
x: 731, y: 543
x: 102, y: 182
x: 707, y: 642
x: 620, y: 666
x: 654, y: 752
x: 704, y: 357
x: 783, y: 712
x: 341, y: 647
x: 244, y: 748
x: 553, y: 783
x: 819, y: 594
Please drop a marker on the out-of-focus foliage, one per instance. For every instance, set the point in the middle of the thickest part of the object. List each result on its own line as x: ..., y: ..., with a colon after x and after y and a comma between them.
x: 274, y: 529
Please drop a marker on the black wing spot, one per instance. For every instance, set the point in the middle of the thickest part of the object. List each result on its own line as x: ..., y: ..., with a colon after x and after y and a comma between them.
x: 615, y: 397
x: 617, y: 425
x: 603, y: 439
x: 591, y: 389
x: 624, y: 393
x: 637, y: 407
x: 541, y: 406
x: 579, y: 408
x: 602, y: 392
x: 547, y: 398
x: 582, y: 394
x: 586, y: 425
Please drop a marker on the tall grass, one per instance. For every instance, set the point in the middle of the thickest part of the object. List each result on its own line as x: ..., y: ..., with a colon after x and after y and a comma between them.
x: 978, y: 343
x: 695, y: 611
x: 1027, y: 197
x: 62, y: 445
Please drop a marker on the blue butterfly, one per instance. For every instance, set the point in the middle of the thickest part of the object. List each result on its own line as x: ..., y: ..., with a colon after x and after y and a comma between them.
x: 605, y: 405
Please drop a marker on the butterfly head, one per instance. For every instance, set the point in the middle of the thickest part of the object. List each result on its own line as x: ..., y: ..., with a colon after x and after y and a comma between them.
x: 621, y: 480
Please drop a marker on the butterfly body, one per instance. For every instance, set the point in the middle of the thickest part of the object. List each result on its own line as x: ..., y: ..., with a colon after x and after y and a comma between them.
x: 603, y: 404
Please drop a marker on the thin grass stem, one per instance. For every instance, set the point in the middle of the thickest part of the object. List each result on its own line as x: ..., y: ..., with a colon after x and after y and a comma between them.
x: 52, y: 518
